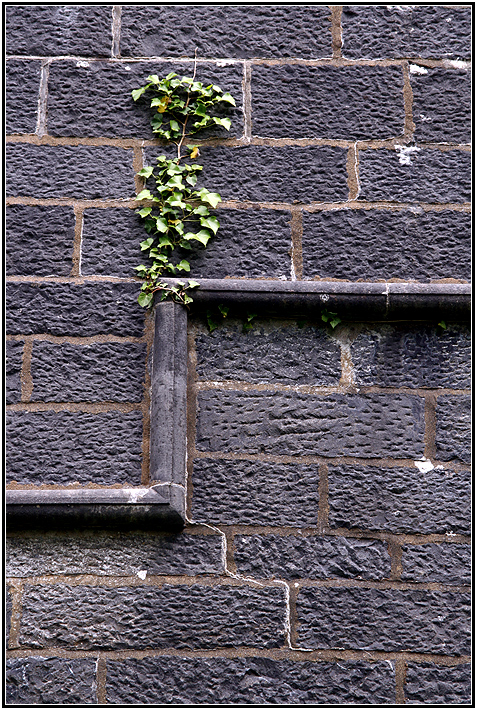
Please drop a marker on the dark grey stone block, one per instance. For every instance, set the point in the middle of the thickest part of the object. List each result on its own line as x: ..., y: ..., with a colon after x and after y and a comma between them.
x: 120, y: 554
x: 255, y: 493
x: 453, y: 428
x: 100, y: 372
x: 13, y: 368
x: 72, y: 309
x: 94, y: 98
x: 254, y: 681
x: 291, y: 557
x: 54, y: 30
x: 191, y: 617
x: 68, y: 447
x: 270, y: 352
x: 82, y: 171
x: 274, y: 174
x: 383, y: 244
x: 352, y: 103
x: 414, y: 175
x: 39, y: 240
x: 445, y: 563
x: 226, y: 31
x: 50, y: 681
x: 295, y: 424
x: 384, y: 620
x: 22, y: 88
x: 249, y: 243
x: 422, y: 356
x: 441, y: 105
x: 428, y: 683
x: 399, y: 500
x: 395, y: 31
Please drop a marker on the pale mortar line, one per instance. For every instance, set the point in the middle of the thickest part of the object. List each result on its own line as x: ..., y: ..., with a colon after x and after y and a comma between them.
x: 247, y: 101
x: 41, y: 125
x: 25, y: 375
x: 116, y: 31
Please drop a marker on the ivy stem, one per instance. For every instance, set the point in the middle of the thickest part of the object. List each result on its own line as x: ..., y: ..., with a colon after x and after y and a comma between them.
x: 179, y: 145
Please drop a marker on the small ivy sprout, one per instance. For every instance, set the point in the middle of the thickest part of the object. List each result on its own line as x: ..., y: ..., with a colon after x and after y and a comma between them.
x: 332, y: 318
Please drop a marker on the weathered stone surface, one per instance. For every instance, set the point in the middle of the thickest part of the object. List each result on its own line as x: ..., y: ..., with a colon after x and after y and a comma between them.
x: 100, y: 372
x: 72, y: 309
x: 445, y: 563
x: 428, y: 683
x: 44, y: 30
x: 127, y: 617
x: 68, y: 447
x: 384, y: 620
x: 274, y: 174
x: 22, y: 86
x: 270, y: 352
x: 352, y: 103
x: 394, y: 31
x: 8, y: 613
x: 13, y: 367
x: 383, y: 244
x: 82, y: 171
x: 50, y: 681
x: 226, y: 31
x: 290, y: 557
x: 39, y: 240
x: 121, y: 554
x: 413, y: 356
x: 255, y: 493
x: 291, y: 423
x: 453, y: 428
x: 94, y: 98
x: 399, y: 500
x: 253, y: 681
x: 441, y: 105
x: 251, y: 243
x: 414, y: 175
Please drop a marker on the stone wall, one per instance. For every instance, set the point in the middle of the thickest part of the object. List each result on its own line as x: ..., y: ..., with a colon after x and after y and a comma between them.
x: 326, y: 553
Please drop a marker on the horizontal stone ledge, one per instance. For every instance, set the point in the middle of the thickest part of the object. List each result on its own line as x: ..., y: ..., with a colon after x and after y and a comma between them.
x: 157, y: 508
x: 351, y: 301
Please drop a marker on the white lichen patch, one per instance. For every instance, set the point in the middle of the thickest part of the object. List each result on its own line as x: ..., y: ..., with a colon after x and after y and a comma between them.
x: 405, y: 153
x: 82, y: 64
x: 416, y: 69
x: 457, y: 64
x: 424, y: 465
x: 142, y: 573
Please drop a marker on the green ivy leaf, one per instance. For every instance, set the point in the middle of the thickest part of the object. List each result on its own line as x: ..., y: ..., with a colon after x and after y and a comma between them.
x: 146, y: 244
x: 146, y: 172
x: 144, y: 299
x: 144, y: 212
x: 228, y: 98
x: 137, y: 93
x: 183, y: 265
x: 211, y: 223
x: 213, y: 198
x: 144, y: 195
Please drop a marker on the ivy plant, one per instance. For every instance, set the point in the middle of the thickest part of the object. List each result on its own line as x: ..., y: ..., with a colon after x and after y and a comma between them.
x: 175, y: 212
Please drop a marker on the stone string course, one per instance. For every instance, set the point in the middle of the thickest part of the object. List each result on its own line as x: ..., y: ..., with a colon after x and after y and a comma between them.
x: 326, y: 554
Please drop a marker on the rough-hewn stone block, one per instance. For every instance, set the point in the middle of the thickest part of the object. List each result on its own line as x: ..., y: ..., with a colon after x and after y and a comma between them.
x: 255, y: 493
x: 399, y: 500
x: 100, y: 372
x: 68, y: 447
x: 274, y: 174
x: 54, y: 30
x: 226, y: 31
x: 13, y: 367
x: 353, y: 103
x: 127, y: 617
x: 428, y: 683
x: 39, y: 240
x: 296, y: 424
x: 413, y: 356
x: 445, y: 563
x: 394, y: 31
x: 383, y: 244
x: 22, y: 87
x: 82, y: 171
x: 384, y: 620
x: 94, y: 98
x: 269, y: 353
x: 251, y: 243
x: 50, y: 681
x: 441, y: 105
x: 121, y: 554
x: 72, y: 309
x: 290, y: 557
x: 453, y: 428
x: 414, y: 175
x: 251, y: 681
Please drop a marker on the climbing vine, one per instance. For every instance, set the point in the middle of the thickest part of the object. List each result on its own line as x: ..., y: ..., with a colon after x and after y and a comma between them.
x: 175, y: 212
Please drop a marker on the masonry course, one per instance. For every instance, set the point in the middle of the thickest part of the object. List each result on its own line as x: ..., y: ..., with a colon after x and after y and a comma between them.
x: 192, y: 617
x: 446, y: 563
x: 44, y: 681
x: 440, y: 685
x: 453, y: 435
x: 13, y: 366
x: 22, y: 83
